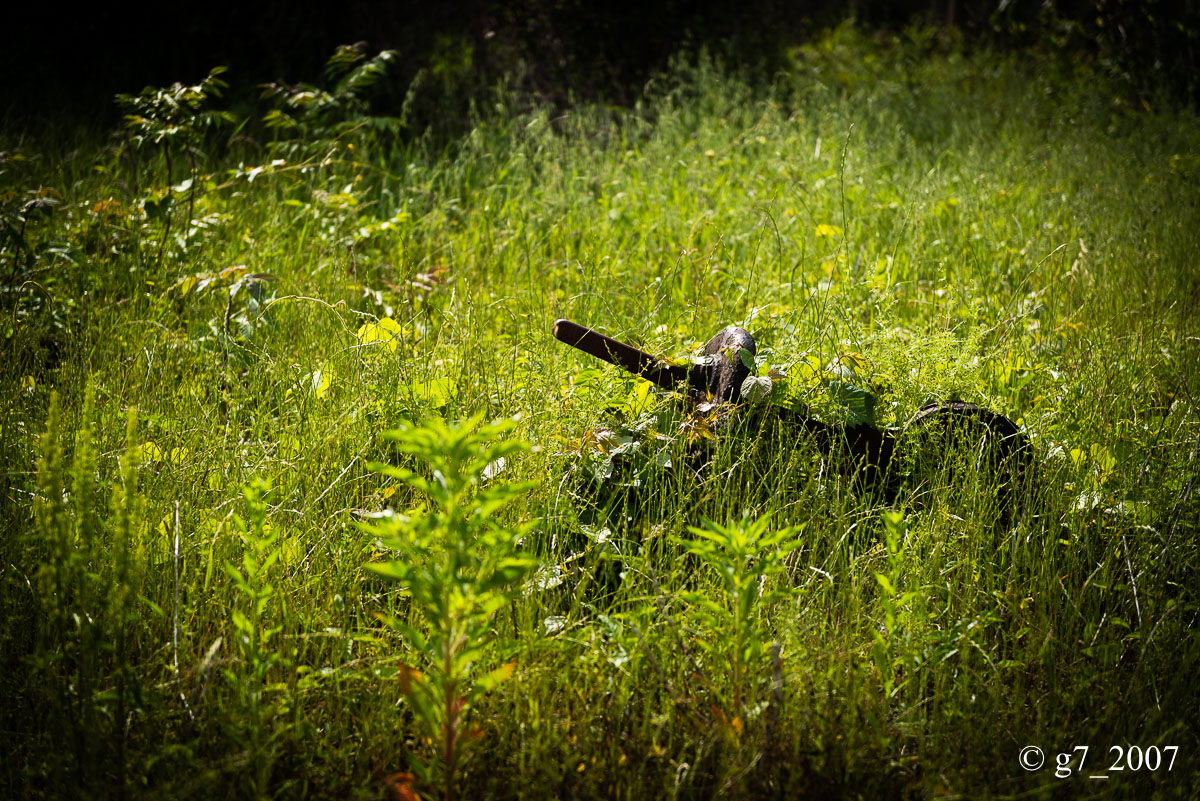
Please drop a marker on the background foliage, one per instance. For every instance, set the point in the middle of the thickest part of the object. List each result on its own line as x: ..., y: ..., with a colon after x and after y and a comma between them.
x: 558, y: 50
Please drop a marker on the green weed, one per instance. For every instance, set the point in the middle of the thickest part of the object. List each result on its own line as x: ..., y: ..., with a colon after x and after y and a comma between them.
x: 459, y: 570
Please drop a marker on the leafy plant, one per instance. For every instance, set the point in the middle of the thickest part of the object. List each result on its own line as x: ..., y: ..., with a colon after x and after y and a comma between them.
x: 893, y: 600
x: 858, y: 405
x: 254, y: 632
x: 247, y: 302
x: 747, y: 559
x: 458, y: 568
x: 172, y: 119
x: 88, y: 603
x: 306, y: 110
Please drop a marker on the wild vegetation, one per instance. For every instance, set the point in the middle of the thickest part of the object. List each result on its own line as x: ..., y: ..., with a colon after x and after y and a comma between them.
x: 303, y: 499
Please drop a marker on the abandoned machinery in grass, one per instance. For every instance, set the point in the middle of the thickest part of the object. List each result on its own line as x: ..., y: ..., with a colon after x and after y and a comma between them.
x: 714, y: 387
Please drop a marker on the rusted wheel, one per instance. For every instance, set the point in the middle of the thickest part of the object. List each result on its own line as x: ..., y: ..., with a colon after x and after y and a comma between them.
x: 968, y: 458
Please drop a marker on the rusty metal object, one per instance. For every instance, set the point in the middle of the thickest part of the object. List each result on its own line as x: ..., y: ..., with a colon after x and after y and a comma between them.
x: 995, y: 440
x: 1006, y: 429
x: 728, y: 367
x: 969, y: 423
x: 718, y: 382
x: 720, y: 377
x: 627, y: 357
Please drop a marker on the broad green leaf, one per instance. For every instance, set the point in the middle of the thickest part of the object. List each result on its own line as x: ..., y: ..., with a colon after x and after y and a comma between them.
x: 393, y: 571
x: 858, y: 403
x: 386, y: 331
x: 433, y: 393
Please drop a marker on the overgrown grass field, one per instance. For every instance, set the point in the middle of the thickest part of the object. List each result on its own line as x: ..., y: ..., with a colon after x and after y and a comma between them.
x: 223, y: 577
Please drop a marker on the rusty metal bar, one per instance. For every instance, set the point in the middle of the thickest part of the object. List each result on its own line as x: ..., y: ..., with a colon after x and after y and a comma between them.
x: 627, y: 357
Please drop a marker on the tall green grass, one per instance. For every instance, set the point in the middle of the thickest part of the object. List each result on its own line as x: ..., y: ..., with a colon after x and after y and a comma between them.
x: 899, y: 215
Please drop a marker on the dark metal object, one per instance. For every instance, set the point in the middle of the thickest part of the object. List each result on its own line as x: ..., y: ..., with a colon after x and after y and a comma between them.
x: 729, y: 352
x: 871, y: 449
x: 627, y: 357
x: 720, y: 377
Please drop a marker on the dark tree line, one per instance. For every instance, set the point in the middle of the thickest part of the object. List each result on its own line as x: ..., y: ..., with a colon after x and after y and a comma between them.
x: 57, y: 63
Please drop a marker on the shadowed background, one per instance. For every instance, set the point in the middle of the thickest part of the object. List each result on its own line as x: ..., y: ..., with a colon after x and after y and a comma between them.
x: 56, y: 63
